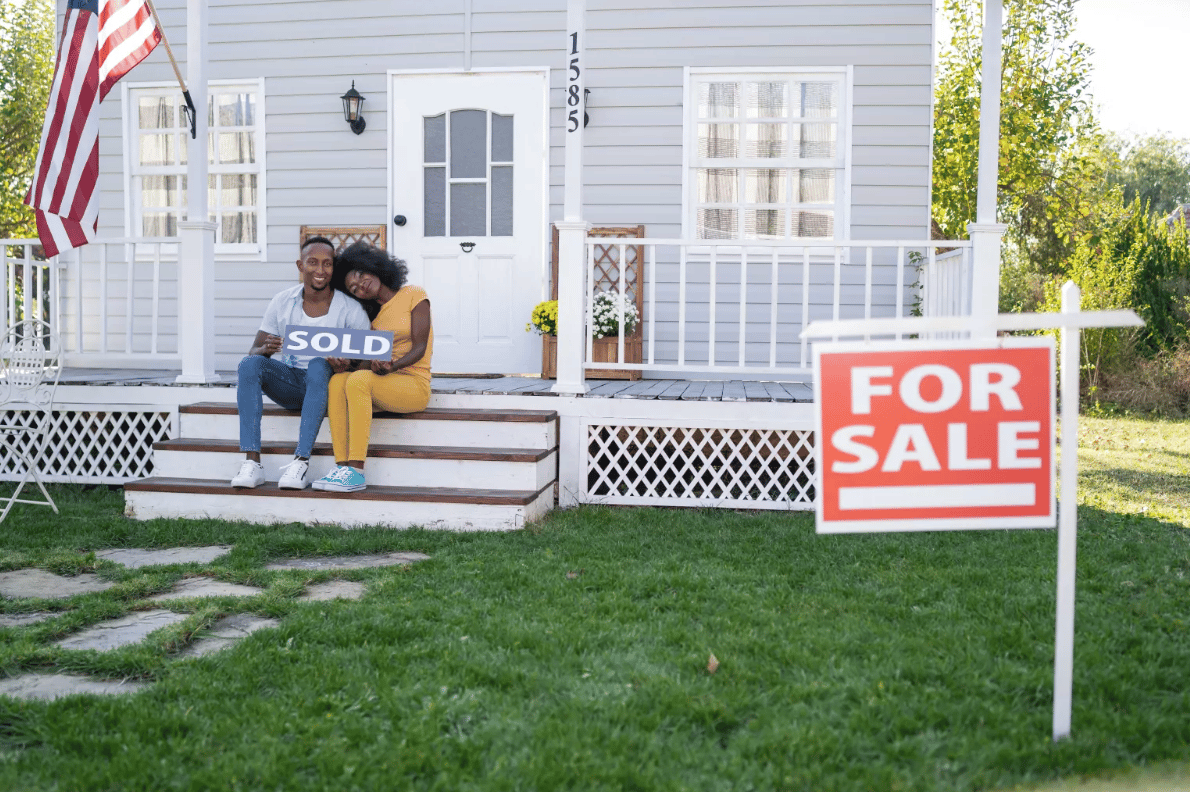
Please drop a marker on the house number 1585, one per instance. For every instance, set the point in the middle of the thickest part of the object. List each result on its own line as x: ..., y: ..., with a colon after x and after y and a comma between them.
x: 573, y: 96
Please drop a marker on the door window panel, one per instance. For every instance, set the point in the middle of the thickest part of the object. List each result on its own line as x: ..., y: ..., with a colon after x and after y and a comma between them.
x: 468, y: 173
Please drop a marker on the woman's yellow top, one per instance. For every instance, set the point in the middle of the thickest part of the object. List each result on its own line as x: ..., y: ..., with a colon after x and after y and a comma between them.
x: 396, y: 317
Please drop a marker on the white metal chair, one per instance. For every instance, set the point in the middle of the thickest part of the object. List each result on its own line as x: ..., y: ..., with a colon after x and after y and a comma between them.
x: 30, y: 364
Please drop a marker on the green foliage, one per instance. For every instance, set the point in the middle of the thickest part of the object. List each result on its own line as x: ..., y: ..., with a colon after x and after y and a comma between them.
x: 1050, y: 171
x: 1154, y: 170
x: 26, y: 71
x: 1136, y: 261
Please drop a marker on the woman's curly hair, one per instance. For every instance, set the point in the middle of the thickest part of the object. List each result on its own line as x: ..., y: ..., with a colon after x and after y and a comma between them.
x: 389, y: 270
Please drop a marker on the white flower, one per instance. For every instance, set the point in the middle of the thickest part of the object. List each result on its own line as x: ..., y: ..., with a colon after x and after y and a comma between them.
x: 606, y: 310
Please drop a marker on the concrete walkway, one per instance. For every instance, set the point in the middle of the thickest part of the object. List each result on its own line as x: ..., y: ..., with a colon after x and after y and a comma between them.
x: 38, y: 584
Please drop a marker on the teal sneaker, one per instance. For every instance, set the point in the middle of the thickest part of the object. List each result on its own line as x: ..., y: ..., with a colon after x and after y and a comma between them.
x: 341, y: 479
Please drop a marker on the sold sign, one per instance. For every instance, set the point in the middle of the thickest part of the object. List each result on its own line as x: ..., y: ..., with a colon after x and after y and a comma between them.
x: 923, y: 436
x: 340, y: 342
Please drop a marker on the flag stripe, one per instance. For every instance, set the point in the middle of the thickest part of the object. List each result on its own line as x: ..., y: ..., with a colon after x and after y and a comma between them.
x: 73, y: 32
x: 101, y: 41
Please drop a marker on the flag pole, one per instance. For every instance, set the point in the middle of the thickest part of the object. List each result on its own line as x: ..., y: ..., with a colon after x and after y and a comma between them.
x: 177, y: 72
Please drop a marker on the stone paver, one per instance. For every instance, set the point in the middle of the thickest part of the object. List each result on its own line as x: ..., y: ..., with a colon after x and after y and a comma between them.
x: 327, y: 563
x: 52, y: 686
x: 225, y: 632
x: 134, y: 559
x: 113, y: 634
x: 19, y: 619
x: 206, y: 587
x: 39, y: 584
x: 333, y: 589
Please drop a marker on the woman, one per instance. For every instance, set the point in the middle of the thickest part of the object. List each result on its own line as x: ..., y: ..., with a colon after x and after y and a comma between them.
x: 401, y: 384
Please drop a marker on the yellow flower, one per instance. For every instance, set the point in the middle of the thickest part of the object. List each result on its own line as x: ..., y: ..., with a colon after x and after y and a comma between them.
x: 544, y: 319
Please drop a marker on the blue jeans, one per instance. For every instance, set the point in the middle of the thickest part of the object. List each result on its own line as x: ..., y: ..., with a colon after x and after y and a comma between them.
x: 292, y: 388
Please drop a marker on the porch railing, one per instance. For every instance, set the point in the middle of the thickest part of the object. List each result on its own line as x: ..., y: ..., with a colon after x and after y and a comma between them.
x: 111, y: 300
x: 732, y: 308
x: 30, y: 283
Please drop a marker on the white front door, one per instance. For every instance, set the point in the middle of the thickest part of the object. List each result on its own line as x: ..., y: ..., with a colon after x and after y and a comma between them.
x: 469, y: 177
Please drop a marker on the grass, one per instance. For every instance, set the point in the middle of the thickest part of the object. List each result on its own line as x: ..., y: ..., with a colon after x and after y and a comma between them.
x: 575, y: 654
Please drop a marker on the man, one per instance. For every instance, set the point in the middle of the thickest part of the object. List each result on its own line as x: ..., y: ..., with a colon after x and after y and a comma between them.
x: 296, y: 382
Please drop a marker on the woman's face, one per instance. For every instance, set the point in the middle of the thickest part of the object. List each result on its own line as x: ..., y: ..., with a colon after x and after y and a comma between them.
x: 363, y: 285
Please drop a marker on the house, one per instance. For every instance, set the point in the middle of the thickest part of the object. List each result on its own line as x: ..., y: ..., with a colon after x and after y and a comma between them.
x: 776, y: 153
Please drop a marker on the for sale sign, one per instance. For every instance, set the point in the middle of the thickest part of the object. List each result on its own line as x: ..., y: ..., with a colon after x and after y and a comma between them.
x: 923, y: 436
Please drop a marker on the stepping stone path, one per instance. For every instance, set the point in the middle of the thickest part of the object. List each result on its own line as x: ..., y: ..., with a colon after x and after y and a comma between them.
x: 113, y: 634
x: 206, y: 587
x: 39, y: 584
x: 226, y: 632
x: 348, y: 562
x: 135, y: 559
x: 52, y: 686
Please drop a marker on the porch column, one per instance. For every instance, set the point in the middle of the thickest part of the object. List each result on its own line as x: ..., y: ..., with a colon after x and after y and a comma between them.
x: 196, y: 257
x: 985, y: 232
x: 572, y: 231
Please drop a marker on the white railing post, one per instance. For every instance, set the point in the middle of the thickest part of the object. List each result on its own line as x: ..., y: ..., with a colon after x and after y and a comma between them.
x: 572, y: 291
x: 196, y: 267
x: 985, y: 280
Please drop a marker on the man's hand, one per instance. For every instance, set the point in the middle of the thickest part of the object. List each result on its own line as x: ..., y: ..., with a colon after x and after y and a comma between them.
x: 266, y: 345
x: 339, y: 365
x: 382, y: 367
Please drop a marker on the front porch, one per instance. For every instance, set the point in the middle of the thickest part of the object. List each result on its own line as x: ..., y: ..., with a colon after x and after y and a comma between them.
x: 721, y: 413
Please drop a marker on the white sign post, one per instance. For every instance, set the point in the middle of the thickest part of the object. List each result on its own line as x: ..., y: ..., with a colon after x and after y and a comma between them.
x: 960, y: 441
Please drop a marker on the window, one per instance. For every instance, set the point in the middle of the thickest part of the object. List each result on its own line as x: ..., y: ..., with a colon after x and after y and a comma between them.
x: 767, y: 155
x: 157, y: 135
x: 464, y: 174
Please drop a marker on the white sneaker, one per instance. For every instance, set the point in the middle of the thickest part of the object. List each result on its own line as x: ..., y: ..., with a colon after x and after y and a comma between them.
x: 251, y: 475
x: 293, y: 475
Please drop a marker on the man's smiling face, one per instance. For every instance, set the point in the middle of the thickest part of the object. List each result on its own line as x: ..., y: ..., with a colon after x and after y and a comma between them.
x: 316, y: 266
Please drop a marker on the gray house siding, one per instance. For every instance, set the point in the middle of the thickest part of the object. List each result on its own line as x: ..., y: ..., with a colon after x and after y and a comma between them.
x: 309, y: 52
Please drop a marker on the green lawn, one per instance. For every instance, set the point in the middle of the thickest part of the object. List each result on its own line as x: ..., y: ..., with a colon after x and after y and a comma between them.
x: 574, y: 654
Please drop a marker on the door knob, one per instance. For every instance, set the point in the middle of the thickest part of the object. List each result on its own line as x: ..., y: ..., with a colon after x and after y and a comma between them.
x: 399, y: 220
x: 467, y: 246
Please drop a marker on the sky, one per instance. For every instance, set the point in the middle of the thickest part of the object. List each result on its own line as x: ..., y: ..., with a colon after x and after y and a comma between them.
x: 1139, y: 74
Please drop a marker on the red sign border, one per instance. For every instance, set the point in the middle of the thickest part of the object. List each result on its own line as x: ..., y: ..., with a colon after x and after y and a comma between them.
x: 824, y: 526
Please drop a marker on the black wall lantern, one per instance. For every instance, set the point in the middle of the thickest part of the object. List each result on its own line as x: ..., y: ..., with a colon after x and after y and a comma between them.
x: 352, y: 109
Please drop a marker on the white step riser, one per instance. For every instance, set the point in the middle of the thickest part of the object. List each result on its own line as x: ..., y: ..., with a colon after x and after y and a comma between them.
x: 343, y: 512
x: 468, y: 434
x: 475, y: 474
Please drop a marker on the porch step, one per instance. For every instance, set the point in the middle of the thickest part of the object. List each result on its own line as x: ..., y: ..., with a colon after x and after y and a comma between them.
x: 384, y: 506
x: 434, y: 426
x: 502, y: 464
x: 405, y: 465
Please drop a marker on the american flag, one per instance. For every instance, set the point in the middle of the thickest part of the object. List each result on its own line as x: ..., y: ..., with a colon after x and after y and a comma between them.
x: 101, y: 41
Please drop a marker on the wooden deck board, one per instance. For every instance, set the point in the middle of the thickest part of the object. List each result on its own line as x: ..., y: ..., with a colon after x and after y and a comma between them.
x: 646, y: 389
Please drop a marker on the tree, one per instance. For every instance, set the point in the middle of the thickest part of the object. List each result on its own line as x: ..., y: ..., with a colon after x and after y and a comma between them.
x: 26, y: 71
x: 1154, y: 169
x: 1051, y: 172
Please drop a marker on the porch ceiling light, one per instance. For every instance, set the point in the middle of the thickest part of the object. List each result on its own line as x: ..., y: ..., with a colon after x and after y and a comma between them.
x: 352, y: 106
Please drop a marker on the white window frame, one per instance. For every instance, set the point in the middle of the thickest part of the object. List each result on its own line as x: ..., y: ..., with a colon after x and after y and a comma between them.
x: 693, y: 76
x: 239, y: 251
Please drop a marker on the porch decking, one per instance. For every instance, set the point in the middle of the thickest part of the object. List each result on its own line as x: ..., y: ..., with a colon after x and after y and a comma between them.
x: 649, y: 389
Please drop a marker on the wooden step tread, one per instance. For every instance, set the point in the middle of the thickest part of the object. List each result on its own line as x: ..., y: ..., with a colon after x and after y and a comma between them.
x: 487, y: 497
x: 428, y: 414
x: 379, y: 450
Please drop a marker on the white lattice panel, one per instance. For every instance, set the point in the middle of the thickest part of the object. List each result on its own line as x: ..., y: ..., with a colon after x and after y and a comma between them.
x: 632, y: 464
x: 92, y: 447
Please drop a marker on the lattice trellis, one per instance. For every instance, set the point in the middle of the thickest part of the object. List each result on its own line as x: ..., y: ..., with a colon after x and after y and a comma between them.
x: 684, y: 466
x: 92, y: 447
x: 342, y: 236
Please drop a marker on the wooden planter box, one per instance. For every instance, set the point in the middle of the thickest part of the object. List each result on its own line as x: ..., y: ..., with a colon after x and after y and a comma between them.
x: 604, y: 350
